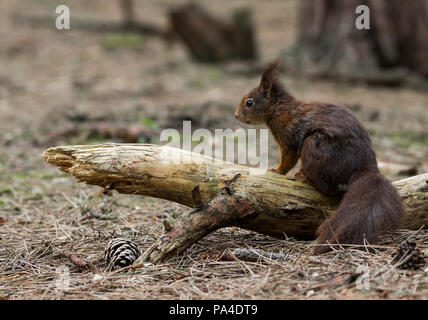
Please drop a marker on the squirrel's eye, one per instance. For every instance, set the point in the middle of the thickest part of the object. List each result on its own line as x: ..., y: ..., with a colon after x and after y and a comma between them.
x: 250, y: 102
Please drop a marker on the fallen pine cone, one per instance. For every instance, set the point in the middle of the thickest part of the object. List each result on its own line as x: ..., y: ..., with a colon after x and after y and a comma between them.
x: 409, y: 256
x: 120, y: 253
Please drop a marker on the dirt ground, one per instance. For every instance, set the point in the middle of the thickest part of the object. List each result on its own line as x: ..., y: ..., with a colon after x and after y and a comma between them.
x: 54, y: 84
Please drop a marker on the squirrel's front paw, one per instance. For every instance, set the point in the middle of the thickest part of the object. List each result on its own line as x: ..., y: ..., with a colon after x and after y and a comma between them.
x: 275, y: 171
x: 299, y: 175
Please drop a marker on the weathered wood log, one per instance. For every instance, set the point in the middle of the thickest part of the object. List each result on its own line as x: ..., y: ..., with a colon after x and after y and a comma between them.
x: 227, y: 194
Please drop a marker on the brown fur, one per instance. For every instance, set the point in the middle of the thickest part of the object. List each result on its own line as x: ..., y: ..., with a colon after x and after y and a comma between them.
x: 337, y: 158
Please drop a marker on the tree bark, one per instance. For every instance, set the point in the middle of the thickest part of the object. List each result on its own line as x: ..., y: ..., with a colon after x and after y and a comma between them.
x: 222, y: 194
x: 330, y: 44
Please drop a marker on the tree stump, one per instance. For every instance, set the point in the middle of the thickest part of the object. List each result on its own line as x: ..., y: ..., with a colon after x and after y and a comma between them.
x: 211, y: 39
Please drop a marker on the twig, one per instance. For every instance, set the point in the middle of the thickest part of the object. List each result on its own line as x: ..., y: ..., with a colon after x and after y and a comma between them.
x: 252, y: 254
x: 79, y: 262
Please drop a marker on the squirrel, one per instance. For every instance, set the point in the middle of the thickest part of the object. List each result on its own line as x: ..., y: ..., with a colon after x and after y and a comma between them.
x: 337, y: 158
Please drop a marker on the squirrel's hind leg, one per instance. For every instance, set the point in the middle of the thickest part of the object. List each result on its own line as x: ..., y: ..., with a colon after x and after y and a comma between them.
x: 323, y: 167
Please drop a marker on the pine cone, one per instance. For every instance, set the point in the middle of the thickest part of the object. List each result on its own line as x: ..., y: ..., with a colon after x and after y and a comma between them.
x: 409, y: 256
x: 120, y: 253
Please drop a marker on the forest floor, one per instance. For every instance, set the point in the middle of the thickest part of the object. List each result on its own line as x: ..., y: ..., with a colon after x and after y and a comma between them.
x: 56, y: 85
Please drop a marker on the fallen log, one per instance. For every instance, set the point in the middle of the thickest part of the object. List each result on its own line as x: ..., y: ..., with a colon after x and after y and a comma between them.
x: 223, y: 194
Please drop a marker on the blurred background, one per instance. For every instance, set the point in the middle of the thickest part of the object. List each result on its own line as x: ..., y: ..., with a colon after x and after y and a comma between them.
x: 128, y: 69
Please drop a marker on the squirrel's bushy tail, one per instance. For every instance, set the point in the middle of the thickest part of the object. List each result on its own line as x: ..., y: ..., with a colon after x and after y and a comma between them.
x: 370, y: 206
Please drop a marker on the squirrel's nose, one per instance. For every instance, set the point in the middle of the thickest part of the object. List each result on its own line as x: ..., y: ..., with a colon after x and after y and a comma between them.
x: 236, y: 116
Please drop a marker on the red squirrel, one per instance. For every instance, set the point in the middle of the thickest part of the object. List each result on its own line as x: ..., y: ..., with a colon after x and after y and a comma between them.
x: 337, y: 158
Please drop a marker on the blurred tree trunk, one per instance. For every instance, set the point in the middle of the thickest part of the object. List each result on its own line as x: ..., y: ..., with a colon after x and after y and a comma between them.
x: 329, y: 39
x: 213, y: 39
x: 127, y: 8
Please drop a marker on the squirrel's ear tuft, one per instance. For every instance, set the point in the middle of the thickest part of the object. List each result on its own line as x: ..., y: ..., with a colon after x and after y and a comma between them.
x: 270, y: 77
